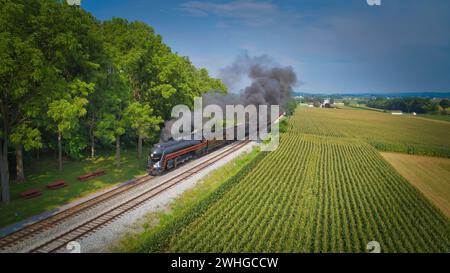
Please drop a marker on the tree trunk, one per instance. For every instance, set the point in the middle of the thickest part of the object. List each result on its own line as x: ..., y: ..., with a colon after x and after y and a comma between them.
x: 92, y: 146
x: 4, y: 165
x: 92, y: 136
x: 139, y: 146
x: 4, y: 171
x: 60, y: 164
x: 118, y: 150
x: 19, y: 164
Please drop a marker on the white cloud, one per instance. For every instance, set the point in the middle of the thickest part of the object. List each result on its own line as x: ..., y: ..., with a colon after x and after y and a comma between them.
x: 253, y: 13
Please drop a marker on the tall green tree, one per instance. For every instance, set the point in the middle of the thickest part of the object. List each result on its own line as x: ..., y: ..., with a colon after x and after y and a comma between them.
x: 72, y: 43
x: 21, y: 70
x: 141, y: 120
x: 66, y: 113
x: 131, y: 47
x: 64, y: 73
x: 176, y: 81
x: 112, y: 121
x: 24, y: 137
x: 110, y: 128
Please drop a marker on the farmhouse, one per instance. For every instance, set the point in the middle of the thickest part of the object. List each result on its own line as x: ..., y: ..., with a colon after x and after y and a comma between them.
x: 327, y: 103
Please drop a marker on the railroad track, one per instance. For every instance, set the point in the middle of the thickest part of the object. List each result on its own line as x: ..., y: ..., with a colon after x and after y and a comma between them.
x: 48, y: 223
x: 110, y: 215
x: 106, y: 217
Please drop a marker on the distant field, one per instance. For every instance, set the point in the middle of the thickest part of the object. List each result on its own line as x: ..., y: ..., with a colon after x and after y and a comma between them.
x: 437, y: 117
x: 407, y: 134
x: 362, y: 107
x: 318, y: 192
x: 431, y: 175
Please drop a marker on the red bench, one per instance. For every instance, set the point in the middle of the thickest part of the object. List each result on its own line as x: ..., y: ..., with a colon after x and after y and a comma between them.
x: 99, y: 173
x: 57, y: 185
x: 91, y: 175
x: 30, y: 194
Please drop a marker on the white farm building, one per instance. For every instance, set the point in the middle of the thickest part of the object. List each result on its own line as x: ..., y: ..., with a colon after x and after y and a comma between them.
x: 397, y: 113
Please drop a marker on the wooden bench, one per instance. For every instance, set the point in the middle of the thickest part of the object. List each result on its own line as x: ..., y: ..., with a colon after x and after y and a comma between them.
x: 99, y: 173
x: 30, y: 194
x: 57, y: 185
x: 91, y: 175
x: 85, y: 177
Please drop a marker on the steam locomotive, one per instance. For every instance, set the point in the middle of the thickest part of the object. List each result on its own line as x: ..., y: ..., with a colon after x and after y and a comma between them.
x: 169, y: 155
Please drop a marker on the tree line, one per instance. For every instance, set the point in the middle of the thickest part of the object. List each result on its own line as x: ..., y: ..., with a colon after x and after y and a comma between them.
x: 409, y: 104
x: 70, y: 82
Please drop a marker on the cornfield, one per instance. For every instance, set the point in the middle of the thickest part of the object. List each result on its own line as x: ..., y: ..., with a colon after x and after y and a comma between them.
x: 318, y: 192
x: 405, y: 134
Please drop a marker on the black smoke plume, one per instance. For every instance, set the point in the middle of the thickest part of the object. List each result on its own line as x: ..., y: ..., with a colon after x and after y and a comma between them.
x: 267, y: 84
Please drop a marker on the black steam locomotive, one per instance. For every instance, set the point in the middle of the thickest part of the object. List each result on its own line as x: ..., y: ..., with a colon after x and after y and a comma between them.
x: 169, y: 155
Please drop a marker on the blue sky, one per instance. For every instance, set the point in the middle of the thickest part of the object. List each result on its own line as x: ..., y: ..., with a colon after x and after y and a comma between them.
x: 333, y: 45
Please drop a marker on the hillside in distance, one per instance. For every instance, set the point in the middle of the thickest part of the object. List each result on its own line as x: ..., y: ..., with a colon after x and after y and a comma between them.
x: 380, y: 94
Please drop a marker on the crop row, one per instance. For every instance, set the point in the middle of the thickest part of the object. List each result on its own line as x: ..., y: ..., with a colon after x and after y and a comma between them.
x: 383, y: 131
x: 320, y: 191
x: 317, y: 195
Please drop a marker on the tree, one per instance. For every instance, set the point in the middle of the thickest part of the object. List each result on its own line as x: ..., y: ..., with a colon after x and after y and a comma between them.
x: 412, y: 104
x: 111, y: 123
x: 445, y: 103
x: 66, y: 113
x: 51, y: 54
x: 24, y: 137
x: 130, y: 47
x: 109, y: 129
x: 141, y: 120
x: 176, y: 81
x: 72, y: 44
x: 290, y: 106
x: 21, y: 69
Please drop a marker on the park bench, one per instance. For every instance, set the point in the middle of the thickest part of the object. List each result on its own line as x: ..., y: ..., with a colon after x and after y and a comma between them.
x: 57, y: 185
x: 91, y: 175
x: 30, y: 194
x: 99, y: 173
